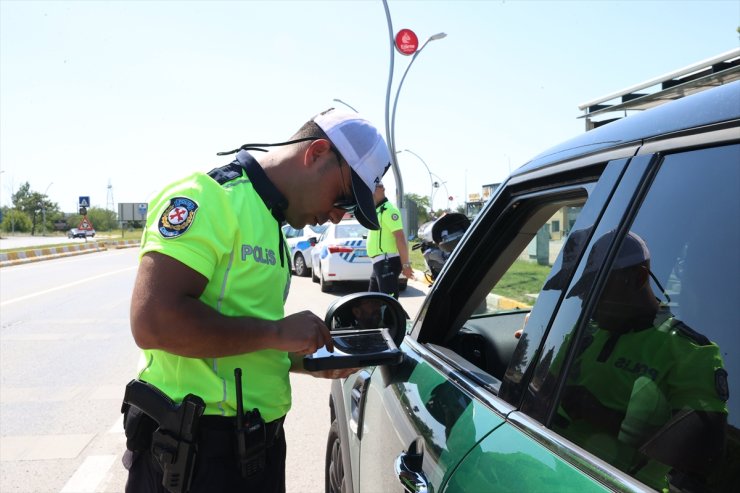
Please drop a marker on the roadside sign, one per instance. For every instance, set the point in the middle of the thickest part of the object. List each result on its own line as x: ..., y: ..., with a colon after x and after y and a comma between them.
x: 84, y: 201
x: 406, y: 42
x: 132, y: 211
x: 85, y: 224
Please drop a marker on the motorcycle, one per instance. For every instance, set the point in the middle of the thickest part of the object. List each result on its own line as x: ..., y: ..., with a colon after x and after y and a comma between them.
x: 438, y: 239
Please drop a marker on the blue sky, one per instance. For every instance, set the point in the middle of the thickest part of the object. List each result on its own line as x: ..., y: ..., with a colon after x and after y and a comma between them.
x: 134, y: 93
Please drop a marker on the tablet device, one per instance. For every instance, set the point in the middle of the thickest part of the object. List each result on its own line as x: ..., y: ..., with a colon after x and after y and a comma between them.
x: 355, y: 349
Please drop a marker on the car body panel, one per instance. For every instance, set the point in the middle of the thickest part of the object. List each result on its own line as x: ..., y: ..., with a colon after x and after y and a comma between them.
x: 507, y: 460
x: 419, y: 407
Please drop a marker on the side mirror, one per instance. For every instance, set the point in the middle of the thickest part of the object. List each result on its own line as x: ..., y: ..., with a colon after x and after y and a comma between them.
x: 368, y: 311
x: 312, y: 241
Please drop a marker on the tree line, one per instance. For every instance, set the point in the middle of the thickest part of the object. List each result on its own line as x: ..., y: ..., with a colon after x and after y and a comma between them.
x: 32, y: 212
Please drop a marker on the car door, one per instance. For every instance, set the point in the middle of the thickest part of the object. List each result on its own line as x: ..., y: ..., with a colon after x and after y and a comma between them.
x: 442, y: 409
x: 671, y: 390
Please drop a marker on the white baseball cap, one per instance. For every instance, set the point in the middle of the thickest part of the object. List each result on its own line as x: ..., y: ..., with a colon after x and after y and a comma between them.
x: 364, y: 149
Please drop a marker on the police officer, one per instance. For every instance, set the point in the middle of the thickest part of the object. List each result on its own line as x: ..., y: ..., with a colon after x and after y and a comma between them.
x: 387, y: 247
x: 208, y: 300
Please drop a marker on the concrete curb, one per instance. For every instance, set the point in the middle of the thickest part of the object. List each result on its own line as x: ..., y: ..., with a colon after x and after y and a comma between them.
x: 38, y: 254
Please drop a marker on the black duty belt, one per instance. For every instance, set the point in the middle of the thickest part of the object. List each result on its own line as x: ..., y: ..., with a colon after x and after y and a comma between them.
x: 216, y: 436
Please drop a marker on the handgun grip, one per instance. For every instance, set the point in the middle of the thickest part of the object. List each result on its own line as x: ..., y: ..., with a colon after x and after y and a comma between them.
x: 153, y: 402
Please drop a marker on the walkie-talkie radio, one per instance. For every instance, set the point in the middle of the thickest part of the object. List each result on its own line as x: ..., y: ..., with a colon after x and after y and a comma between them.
x: 250, y: 434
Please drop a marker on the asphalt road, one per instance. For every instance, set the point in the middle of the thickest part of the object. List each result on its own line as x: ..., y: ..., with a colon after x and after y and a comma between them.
x: 66, y: 354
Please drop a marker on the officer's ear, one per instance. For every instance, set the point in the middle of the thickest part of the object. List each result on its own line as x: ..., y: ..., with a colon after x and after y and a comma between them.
x: 316, y: 151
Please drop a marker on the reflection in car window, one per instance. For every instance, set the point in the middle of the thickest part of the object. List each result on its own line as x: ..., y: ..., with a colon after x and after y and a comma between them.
x: 649, y: 386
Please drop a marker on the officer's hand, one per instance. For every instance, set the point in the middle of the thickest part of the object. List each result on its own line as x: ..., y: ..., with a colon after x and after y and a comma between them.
x: 408, y: 272
x: 303, y: 333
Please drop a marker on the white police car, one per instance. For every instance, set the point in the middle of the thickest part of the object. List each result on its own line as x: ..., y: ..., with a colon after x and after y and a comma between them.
x: 301, y: 242
x: 341, y: 255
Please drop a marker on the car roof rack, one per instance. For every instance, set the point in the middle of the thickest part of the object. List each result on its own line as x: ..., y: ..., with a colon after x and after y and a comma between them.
x: 715, y: 71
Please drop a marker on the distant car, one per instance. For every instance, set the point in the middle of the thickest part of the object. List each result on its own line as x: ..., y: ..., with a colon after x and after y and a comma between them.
x: 80, y: 233
x: 301, y: 242
x: 341, y: 255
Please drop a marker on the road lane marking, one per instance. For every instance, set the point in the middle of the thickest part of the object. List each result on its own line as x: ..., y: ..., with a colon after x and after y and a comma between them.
x: 117, y: 426
x: 43, y: 447
x: 88, y: 476
x: 65, y: 286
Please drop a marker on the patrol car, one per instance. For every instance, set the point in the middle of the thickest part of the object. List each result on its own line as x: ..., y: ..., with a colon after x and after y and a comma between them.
x: 301, y: 242
x: 495, y: 391
x: 340, y: 255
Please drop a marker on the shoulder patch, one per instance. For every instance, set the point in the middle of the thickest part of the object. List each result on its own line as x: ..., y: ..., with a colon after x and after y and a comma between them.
x: 177, y: 217
x: 689, y: 333
x: 225, y: 174
x: 394, y: 217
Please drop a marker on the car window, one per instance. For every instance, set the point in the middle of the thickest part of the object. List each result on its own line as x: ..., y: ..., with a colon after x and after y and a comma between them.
x: 489, y: 336
x: 520, y: 285
x: 652, y: 367
x: 318, y: 230
x: 350, y: 231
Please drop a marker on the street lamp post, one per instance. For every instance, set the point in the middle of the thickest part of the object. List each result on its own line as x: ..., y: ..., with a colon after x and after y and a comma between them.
x: 346, y: 104
x: 43, y: 211
x: 431, y: 181
x: 390, y: 121
x: 444, y: 183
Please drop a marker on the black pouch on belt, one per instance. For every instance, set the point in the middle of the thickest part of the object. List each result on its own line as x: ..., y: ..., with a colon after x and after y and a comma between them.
x: 139, y: 429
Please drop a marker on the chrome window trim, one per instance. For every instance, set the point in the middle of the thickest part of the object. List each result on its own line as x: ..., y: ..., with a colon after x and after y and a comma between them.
x: 681, y: 143
x: 621, y: 151
x: 598, y: 469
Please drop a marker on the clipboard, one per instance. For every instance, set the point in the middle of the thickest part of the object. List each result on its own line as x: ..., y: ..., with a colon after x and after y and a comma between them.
x: 355, y: 349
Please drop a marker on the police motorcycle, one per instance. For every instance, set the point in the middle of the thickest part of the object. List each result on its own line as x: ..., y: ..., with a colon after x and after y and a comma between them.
x: 438, y: 239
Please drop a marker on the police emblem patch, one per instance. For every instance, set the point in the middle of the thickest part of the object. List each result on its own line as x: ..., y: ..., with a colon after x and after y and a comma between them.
x: 394, y: 217
x: 177, y: 217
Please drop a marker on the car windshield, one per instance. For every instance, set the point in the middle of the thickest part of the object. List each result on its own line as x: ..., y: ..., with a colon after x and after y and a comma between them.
x: 351, y: 231
x: 319, y: 229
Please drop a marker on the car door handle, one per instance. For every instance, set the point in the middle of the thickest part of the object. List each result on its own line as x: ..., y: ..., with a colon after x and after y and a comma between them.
x: 408, y: 468
x: 357, y: 402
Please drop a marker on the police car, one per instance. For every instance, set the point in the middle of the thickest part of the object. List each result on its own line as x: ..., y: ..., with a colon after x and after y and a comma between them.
x: 301, y: 242
x: 340, y: 255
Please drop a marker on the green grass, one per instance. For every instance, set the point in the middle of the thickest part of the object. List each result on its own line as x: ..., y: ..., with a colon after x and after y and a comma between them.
x: 522, y: 278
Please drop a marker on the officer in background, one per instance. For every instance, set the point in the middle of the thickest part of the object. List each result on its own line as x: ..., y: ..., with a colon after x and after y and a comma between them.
x: 387, y: 247
x: 208, y: 307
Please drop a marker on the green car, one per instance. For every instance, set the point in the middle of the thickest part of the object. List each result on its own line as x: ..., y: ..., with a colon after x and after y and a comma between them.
x: 583, y: 334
